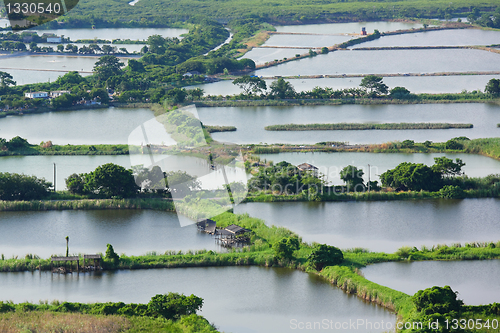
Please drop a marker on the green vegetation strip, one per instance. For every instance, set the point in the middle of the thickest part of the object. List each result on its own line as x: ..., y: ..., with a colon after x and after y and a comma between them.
x: 213, y: 129
x: 359, y: 126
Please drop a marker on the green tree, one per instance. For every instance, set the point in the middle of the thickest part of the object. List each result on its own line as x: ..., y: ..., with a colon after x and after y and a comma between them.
x: 110, y: 180
x: 156, y: 44
x: 6, y: 80
x: 493, y: 87
x: 447, y: 167
x: 111, y: 255
x: 282, y: 89
x: 325, y: 255
x: 177, y: 95
x: 437, y: 300
x: 284, y: 248
x: 135, y: 66
x: 324, y: 50
x: 18, y: 187
x: 76, y: 183
x: 250, y: 84
x: 17, y: 143
x: 453, y: 144
x: 101, y: 94
x: 374, y: 85
x: 181, y: 182
x: 408, y: 144
x: 353, y: 176
x: 196, y: 93
x: 412, y: 176
x: 107, y: 66
x: 451, y: 192
x: 399, y: 93
x: 173, y: 305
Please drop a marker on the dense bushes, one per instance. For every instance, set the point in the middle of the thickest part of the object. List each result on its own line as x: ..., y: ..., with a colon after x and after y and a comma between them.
x: 21, y: 187
x: 169, y: 306
x: 325, y: 255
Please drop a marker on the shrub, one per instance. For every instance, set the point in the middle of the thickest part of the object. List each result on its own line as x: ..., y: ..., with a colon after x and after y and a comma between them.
x: 437, y: 300
x: 284, y: 248
x: 325, y: 255
x: 453, y: 144
x: 451, y: 192
x: 174, y: 305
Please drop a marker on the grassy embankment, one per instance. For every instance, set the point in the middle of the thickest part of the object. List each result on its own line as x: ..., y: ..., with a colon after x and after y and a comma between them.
x: 41, y: 320
x: 487, y: 147
x: 214, y: 129
x: 360, y: 126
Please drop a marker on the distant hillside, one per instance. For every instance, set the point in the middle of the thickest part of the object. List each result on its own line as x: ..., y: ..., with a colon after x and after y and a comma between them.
x: 164, y: 12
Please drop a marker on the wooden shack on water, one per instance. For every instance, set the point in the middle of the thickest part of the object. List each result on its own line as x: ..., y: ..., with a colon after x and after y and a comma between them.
x: 206, y: 225
x: 55, y: 262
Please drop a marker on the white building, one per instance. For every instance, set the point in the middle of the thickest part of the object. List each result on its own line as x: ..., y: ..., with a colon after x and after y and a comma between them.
x: 57, y: 93
x: 36, y: 94
x: 54, y: 39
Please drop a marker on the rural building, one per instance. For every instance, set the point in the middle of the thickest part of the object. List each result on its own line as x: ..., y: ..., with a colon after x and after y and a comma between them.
x: 206, y: 225
x: 57, y: 93
x: 36, y: 94
x: 306, y: 167
x: 189, y: 74
x: 52, y: 38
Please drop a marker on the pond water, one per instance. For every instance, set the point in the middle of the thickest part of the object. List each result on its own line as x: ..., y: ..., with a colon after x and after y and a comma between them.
x: 306, y: 40
x: 384, y: 225
x: 133, y: 232
x: 115, y: 33
x: 42, y: 68
x: 27, y: 77
x: 99, y: 126
x: 262, y: 55
x: 353, y: 27
x: 43, y: 166
x: 476, y: 281
x: 416, y: 84
x: 388, y: 61
x: 267, y: 299
x: 330, y: 164
x: 250, y: 122
x: 452, y: 37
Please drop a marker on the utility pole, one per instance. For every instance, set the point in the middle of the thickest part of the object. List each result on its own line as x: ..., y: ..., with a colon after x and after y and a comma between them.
x: 54, y: 178
x: 369, y: 171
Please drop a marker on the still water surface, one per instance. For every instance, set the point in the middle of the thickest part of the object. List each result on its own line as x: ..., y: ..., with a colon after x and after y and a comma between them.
x: 99, y: 126
x: 388, y: 61
x: 384, y: 225
x: 250, y: 122
x: 476, y: 281
x: 133, y: 232
x: 306, y: 40
x: 353, y: 27
x: 115, y: 33
x: 452, y: 37
x: 258, y: 300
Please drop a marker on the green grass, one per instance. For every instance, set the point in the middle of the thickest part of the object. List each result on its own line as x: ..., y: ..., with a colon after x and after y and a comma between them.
x: 87, y: 204
x: 363, y: 126
x: 213, y: 129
